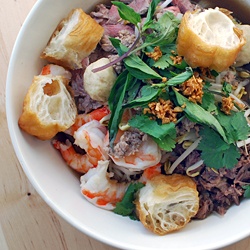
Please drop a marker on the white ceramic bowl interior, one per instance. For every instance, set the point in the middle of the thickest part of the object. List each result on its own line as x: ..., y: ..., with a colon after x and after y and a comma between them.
x: 59, y: 186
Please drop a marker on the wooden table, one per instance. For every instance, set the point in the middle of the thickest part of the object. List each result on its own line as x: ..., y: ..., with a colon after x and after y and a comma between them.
x: 26, y: 221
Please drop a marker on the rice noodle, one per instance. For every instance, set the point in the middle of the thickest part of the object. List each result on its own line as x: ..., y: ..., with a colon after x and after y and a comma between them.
x: 123, y: 174
x: 240, y: 86
x: 237, y: 99
x: 215, y: 87
x: 165, y: 4
x: 105, y: 119
x: 194, y: 167
x: 243, y: 143
x: 218, y: 79
x: 184, y: 155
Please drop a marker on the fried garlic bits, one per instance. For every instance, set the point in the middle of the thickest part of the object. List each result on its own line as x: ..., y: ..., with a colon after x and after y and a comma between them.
x: 167, y: 203
x: 209, y: 39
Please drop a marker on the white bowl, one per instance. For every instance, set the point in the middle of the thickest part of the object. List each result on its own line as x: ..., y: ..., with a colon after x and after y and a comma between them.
x: 59, y: 186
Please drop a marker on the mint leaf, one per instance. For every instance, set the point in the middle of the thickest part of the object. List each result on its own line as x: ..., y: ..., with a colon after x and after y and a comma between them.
x: 120, y: 48
x: 148, y: 93
x: 180, y: 78
x: 126, y: 207
x: 150, y: 14
x: 164, y: 31
x: 216, y: 153
x: 127, y: 13
x: 115, y: 103
x: 140, y: 69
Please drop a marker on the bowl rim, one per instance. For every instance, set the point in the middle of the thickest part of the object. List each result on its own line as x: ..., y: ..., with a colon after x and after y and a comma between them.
x: 70, y: 219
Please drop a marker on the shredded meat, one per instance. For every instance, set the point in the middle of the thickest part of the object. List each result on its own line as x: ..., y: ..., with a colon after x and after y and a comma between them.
x: 218, y: 189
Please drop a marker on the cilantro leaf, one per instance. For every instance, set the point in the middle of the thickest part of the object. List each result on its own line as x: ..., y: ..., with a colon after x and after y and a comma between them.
x: 216, y: 153
x: 151, y: 127
x: 164, y: 135
x: 235, y: 125
x: 197, y: 114
x: 127, y: 13
x: 168, y: 142
x: 126, y: 207
x: 227, y: 88
x: 162, y: 63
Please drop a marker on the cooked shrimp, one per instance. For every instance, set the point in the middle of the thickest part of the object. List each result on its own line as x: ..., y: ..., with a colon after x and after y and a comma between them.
x: 81, y: 119
x: 89, y: 137
x: 99, y: 189
x: 150, y: 172
x: 146, y: 155
x: 55, y: 70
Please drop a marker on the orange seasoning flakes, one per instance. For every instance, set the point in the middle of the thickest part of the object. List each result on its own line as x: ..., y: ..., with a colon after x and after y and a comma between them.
x: 163, y: 110
x: 156, y: 54
x: 176, y: 59
x: 227, y: 105
x: 192, y: 88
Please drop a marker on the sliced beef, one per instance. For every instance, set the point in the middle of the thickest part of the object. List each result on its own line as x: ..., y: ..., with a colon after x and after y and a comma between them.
x: 124, y: 33
x: 140, y: 6
x: 184, y: 5
x: 101, y: 14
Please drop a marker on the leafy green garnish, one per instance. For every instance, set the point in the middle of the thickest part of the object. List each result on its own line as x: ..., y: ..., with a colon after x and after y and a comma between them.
x: 168, y: 142
x: 180, y: 78
x: 208, y: 102
x: 151, y: 127
x: 148, y: 94
x: 164, y: 135
x: 162, y: 63
x: 235, y: 125
x: 115, y: 103
x: 127, y: 13
x: 126, y: 207
x: 216, y: 153
x: 247, y: 191
x: 140, y: 69
x: 227, y: 88
x: 164, y: 31
x: 199, y: 115
x: 150, y: 13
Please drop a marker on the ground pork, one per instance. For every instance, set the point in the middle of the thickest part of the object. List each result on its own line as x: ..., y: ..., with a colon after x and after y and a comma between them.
x: 128, y: 144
